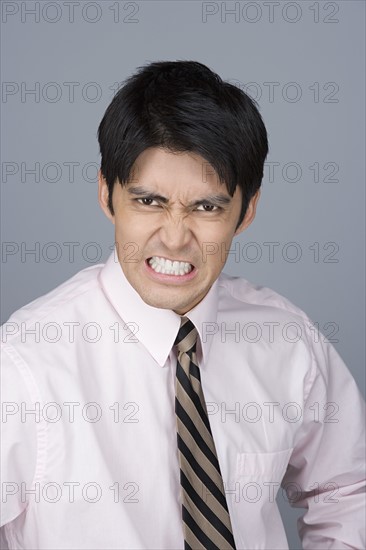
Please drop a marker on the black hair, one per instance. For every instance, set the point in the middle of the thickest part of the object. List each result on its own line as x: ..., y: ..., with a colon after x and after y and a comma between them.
x: 183, y: 106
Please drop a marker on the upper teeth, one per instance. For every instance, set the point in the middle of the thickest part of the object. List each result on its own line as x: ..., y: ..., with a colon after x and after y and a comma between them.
x: 169, y: 267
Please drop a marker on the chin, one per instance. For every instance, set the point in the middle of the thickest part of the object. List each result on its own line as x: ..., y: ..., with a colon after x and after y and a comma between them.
x: 160, y: 302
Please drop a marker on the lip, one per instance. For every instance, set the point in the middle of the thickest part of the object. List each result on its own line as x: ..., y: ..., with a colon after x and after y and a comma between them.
x: 162, y: 277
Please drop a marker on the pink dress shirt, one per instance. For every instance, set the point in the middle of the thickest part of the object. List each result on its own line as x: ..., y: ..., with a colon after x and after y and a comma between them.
x: 89, y: 455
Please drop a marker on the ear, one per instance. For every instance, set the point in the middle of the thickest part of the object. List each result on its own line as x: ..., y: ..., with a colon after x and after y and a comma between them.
x: 103, y: 195
x: 250, y: 213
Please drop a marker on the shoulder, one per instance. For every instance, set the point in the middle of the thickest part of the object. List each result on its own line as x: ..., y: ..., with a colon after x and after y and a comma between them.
x: 62, y: 298
x: 239, y: 290
x: 261, y: 316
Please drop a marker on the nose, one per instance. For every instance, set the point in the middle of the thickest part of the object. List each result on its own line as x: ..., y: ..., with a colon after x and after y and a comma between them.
x: 175, y: 233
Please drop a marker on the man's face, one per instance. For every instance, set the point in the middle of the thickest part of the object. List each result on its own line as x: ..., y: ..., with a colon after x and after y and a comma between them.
x: 176, y: 209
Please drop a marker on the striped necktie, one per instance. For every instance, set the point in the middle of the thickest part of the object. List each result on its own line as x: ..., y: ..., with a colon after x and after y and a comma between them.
x: 206, y: 520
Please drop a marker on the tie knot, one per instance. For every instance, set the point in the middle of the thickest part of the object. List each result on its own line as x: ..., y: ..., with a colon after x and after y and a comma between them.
x: 187, y: 336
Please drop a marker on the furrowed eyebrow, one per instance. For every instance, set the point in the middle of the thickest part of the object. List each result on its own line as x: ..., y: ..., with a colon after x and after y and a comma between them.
x: 215, y: 200
x: 142, y: 192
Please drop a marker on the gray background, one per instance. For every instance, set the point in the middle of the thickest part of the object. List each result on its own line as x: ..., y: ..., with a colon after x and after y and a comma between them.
x: 313, y: 53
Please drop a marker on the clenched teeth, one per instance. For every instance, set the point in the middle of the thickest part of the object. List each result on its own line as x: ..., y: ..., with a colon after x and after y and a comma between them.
x: 169, y: 267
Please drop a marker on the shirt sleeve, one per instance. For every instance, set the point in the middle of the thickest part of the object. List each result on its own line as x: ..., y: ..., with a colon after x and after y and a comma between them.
x: 20, y: 430
x: 326, y: 472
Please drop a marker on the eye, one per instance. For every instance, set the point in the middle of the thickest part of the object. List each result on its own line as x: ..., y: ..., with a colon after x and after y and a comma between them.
x: 208, y: 207
x: 146, y: 201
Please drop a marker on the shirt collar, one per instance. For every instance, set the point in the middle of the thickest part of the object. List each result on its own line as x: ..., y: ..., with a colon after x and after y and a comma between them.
x: 157, y: 328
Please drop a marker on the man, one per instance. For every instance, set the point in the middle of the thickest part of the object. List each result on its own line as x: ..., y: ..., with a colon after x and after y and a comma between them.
x: 140, y: 408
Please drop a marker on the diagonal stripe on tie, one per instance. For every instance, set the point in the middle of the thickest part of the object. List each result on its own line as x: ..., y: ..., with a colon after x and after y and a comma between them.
x: 192, y: 405
x: 196, y: 435
x: 189, y: 364
x: 210, y: 510
x: 206, y: 525
x: 205, y: 515
x: 191, y: 540
x: 199, y: 456
x: 197, y: 531
x: 208, y: 486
